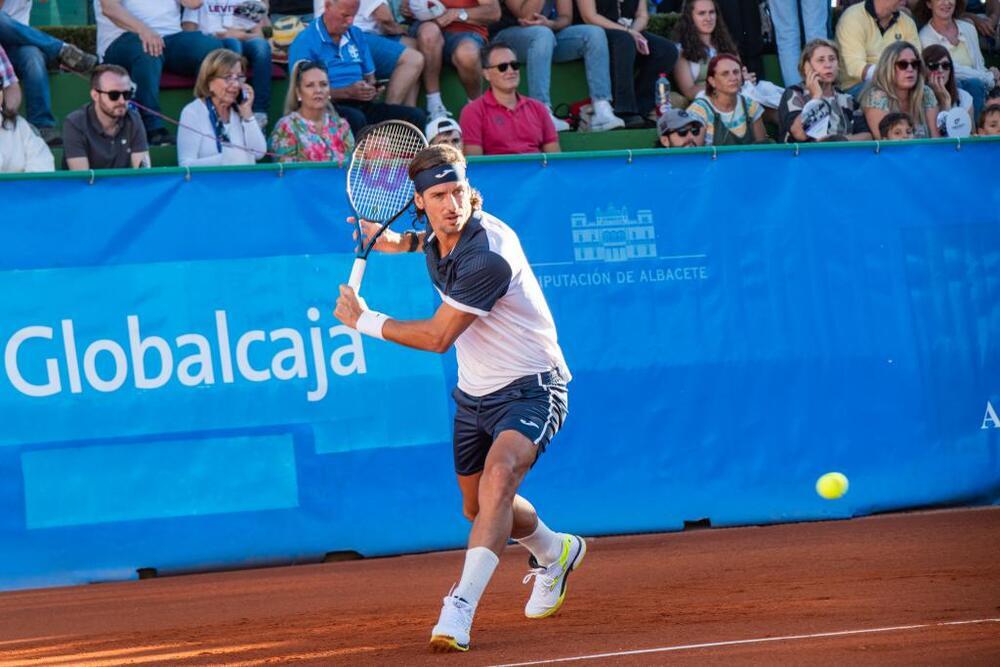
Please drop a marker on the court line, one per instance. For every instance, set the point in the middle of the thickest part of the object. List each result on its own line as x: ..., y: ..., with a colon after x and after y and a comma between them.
x: 737, y: 642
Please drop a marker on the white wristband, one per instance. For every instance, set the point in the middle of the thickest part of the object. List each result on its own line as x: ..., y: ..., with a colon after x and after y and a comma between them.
x: 370, y: 323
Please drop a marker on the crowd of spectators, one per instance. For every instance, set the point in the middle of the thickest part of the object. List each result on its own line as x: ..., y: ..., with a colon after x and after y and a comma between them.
x: 893, y: 69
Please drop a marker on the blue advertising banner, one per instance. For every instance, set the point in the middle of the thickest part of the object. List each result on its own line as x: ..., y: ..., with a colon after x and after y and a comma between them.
x: 178, y: 395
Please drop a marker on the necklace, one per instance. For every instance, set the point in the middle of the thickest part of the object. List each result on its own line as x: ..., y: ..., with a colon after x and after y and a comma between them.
x: 950, y: 32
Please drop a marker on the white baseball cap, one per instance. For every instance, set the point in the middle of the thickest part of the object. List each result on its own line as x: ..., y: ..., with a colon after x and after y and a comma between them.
x: 441, y: 124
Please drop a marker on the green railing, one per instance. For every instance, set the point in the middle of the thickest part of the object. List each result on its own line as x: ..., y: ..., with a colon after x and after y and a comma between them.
x: 712, y: 152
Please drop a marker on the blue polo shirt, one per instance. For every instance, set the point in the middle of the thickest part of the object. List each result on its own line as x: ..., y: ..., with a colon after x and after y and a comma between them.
x: 346, y: 62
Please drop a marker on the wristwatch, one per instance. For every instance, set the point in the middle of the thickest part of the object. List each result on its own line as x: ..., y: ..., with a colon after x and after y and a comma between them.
x: 463, y: 15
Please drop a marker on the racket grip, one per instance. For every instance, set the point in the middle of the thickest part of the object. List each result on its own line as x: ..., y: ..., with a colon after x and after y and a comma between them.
x: 357, y: 273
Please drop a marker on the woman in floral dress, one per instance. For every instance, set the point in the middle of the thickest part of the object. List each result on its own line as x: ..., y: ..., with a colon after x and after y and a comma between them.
x: 311, y: 130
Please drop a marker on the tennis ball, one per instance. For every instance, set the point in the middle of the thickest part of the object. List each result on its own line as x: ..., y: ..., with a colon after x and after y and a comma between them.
x: 832, y: 485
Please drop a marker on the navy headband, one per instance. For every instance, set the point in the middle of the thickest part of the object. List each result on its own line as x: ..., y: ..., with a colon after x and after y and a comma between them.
x: 443, y: 173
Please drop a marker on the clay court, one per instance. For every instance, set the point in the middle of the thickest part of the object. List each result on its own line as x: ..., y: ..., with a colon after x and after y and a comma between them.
x: 903, y: 589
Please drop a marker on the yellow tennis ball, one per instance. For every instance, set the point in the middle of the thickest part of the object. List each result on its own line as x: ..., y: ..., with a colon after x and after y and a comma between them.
x: 832, y: 485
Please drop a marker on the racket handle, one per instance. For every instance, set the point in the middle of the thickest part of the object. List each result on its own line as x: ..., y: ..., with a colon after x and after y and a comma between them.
x: 357, y: 273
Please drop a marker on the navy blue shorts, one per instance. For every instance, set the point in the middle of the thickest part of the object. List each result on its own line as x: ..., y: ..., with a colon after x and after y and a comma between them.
x: 534, y: 406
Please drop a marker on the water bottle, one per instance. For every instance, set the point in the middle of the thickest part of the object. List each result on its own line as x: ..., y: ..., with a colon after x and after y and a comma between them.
x: 662, y: 94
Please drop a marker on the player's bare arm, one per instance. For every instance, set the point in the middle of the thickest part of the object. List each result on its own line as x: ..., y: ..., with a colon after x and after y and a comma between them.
x: 436, y: 334
x: 390, y: 241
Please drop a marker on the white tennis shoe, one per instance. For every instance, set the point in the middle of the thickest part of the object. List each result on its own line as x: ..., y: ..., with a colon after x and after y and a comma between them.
x: 453, y: 627
x: 549, y: 590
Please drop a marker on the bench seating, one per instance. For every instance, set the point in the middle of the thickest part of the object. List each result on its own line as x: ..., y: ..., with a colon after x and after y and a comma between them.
x: 569, y: 85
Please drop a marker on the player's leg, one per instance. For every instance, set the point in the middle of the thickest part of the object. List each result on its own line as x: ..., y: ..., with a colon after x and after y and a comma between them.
x: 553, y: 555
x: 471, y: 445
x: 536, y: 409
x: 509, y: 459
x: 503, y: 514
x: 525, y: 518
x: 526, y: 528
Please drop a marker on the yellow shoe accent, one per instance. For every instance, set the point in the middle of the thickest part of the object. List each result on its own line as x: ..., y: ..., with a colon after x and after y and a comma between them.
x: 562, y: 580
x: 445, y: 644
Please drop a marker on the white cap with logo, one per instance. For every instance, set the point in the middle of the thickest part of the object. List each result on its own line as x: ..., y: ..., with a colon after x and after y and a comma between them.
x: 441, y: 124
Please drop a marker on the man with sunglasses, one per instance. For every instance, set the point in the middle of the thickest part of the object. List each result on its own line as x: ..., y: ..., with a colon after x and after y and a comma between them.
x: 145, y: 37
x: 680, y: 129
x: 502, y: 121
x: 106, y: 134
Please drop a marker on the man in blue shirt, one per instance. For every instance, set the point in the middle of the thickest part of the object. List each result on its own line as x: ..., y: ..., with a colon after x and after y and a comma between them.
x: 332, y: 39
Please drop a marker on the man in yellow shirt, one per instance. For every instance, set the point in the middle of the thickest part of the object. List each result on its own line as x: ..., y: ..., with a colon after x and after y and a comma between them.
x: 864, y: 31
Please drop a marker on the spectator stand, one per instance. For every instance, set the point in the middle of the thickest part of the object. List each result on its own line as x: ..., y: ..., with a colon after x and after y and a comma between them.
x: 70, y: 91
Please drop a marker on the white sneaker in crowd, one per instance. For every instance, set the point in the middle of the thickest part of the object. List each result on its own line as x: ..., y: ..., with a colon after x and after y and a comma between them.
x: 549, y: 590
x: 433, y: 113
x: 561, y: 125
x: 604, y: 117
x: 453, y: 627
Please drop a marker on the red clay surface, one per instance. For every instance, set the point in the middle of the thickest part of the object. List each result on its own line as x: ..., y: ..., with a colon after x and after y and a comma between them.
x: 631, y: 593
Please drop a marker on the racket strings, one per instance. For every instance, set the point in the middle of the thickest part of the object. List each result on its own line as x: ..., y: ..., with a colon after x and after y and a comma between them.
x: 379, y: 184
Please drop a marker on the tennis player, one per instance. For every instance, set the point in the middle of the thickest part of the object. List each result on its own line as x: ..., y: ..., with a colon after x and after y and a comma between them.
x: 511, y: 396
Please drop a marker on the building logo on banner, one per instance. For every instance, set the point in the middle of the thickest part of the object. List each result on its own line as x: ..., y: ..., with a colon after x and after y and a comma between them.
x: 41, y: 361
x: 612, y: 236
x: 610, y: 245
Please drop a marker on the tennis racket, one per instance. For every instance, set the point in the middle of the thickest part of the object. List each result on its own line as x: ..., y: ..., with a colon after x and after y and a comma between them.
x: 378, y: 183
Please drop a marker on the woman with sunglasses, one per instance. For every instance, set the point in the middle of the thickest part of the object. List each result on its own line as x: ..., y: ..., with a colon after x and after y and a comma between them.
x: 730, y: 118
x: 815, y: 110
x: 961, y: 40
x: 311, y: 130
x: 940, y: 73
x: 21, y: 149
x: 898, y: 85
x: 218, y: 128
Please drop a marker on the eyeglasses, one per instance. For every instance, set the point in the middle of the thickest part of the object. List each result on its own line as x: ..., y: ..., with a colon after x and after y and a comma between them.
x: 944, y: 66
x: 502, y: 67
x: 113, y: 95
x: 693, y: 130
x: 902, y: 65
x: 233, y: 78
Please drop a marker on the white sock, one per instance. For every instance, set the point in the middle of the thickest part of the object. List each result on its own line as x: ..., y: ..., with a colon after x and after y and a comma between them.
x: 480, y: 563
x: 434, y: 101
x: 544, y: 544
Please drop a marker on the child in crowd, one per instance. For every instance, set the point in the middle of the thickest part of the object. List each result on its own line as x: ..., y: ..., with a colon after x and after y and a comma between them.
x: 895, y: 126
x: 989, y: 121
